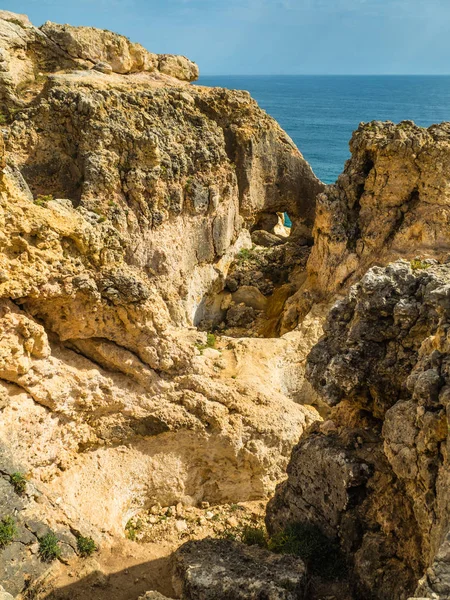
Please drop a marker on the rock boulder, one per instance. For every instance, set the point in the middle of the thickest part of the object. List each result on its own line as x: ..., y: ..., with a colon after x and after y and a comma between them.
x: 227, y: 570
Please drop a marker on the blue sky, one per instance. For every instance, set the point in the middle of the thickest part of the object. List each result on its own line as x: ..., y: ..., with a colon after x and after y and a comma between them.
x: 273, y: 36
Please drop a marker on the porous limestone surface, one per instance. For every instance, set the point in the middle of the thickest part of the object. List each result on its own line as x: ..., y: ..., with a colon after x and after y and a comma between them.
x: 375, y: 475
x: 390, y: 202
x: 227, y: 570
x: 153, y: 596
x: 125, y: 195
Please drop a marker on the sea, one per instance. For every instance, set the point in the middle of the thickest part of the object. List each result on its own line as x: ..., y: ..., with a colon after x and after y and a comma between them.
x: 320, y: 112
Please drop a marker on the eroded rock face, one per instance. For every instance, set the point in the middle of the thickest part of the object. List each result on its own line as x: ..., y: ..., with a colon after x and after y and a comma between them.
x: 375, y: 476
x: 29, y: 54
x: 226, y: 570
x: 98, y: 45
x: 390, y: 202
x: 125, y: 195
x: 62, y: 265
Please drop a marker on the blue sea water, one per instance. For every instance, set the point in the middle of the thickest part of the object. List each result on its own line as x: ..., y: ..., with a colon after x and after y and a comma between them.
x: 320, y: 112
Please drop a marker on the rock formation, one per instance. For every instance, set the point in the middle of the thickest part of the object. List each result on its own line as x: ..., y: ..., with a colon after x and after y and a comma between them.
x: 125, y: 195
x: 228, y: 570
x: 390, y: 202
x: 156, y: 317
x: 375, y: 476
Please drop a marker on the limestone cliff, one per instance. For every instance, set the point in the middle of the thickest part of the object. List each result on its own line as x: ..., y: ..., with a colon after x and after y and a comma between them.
x: 125, y: 195
x: 376, y: 475
x: 156, y: 317
x: 390, y: 202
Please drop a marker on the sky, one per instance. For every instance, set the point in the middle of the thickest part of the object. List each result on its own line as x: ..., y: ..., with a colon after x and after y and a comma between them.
x: 267, y: 37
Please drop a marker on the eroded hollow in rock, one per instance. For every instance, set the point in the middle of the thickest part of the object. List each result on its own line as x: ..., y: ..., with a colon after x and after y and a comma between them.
x: 263, y: 275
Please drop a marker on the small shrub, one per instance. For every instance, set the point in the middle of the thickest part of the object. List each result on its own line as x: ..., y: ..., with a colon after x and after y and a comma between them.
x: 132, y: 528
x: 211, y: 340
x: 3, y: 119
x: 42, y: 199
x: 322, y: 555
x: 251, y: 535
x: 210, y: 343
x: 244, y: 254
x: 200, y: 347
x: 18, y: 482
x: 189, y: 185
x: 101, y: 216
x: 8, y: 531
x: 417, y: 264
x: 254, y: 536
x: 86, y: 546
x: 49, y: 548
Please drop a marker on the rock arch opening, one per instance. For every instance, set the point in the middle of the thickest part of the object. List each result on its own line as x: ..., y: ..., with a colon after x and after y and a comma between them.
x: 249, y: 300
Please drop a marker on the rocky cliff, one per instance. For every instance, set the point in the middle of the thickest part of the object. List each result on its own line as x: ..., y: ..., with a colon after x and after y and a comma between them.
x: 126, y: 194
x: 390, y: 202
x: 155, y: 322
x: 375, y: 475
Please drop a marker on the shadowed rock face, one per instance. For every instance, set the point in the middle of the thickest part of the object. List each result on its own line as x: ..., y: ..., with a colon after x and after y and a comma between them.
x: 376, y: 476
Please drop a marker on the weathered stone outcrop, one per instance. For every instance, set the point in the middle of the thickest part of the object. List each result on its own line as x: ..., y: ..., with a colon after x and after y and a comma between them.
x: 101, y: 46
x: 375, y: 476
x: 227, y: 570
x: 125, y: 194
x: 29, y: 54
x: 391, y: 202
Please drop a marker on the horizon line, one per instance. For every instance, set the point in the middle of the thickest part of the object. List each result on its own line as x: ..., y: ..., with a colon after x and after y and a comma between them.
x: 324, y: 74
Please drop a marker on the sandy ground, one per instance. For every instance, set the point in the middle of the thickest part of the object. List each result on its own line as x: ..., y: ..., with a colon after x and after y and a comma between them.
x: 130, y: 568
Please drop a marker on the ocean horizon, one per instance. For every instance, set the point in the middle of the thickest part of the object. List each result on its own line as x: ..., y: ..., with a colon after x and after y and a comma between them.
x: 320, y: 112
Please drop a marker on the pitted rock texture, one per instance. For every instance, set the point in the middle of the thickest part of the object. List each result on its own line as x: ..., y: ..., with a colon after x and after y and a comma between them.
x: 101, y: 46
x: 376, y: 474
x: 97, y: 45
x: 391, y: 202
x: 227, y: 570
x: 29, y: 54
x: 29, y: 512
x: 125, y: 195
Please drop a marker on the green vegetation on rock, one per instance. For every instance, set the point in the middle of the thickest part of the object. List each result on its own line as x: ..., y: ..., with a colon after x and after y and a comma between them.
x: 86, y: 546
x: 18, y: 482
x: 210, y: 343
x: 49, y: 548
x: 42, y: 200
x: 8, y: 531
x: 321, y: 554
x: 132, y: 528
x: 418, y: 264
